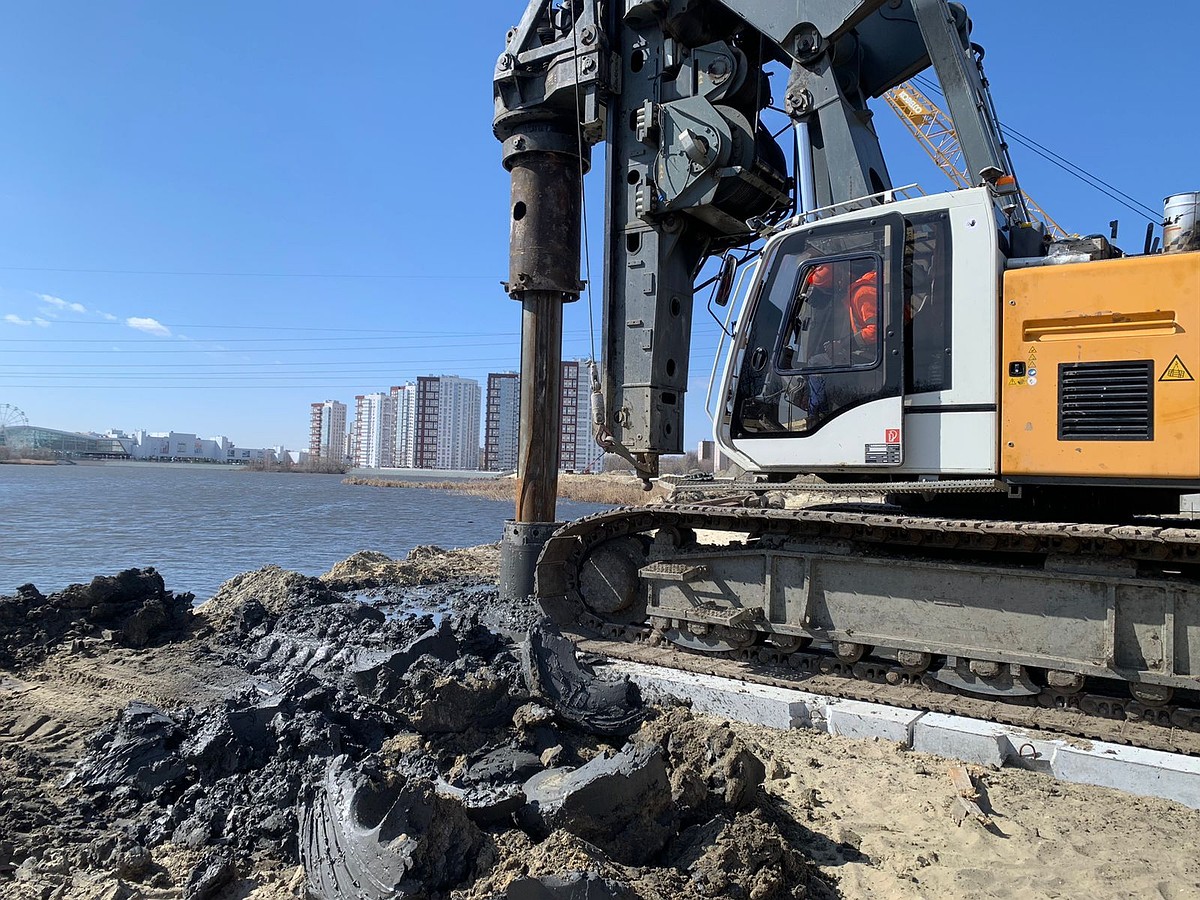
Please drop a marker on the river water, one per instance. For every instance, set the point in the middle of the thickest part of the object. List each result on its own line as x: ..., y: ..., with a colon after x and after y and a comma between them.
x: 199, y: 525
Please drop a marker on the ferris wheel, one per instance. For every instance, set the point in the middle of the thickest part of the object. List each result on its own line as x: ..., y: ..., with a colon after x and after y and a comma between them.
x: 10, y: 417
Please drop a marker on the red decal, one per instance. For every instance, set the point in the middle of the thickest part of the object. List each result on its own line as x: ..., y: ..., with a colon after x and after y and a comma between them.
x: 892, y: 436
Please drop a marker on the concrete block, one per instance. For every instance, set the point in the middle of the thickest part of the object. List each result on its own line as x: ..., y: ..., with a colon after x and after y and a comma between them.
x: 969, y: 740
x: 856, y: 719
x: 757, y: 704
x: 1148, y: 773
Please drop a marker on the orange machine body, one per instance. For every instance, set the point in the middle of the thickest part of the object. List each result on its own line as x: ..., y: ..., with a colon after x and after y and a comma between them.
x: 1099, y: 371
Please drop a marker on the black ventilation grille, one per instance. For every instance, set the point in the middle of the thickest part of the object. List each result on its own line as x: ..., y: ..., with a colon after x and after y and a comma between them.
x: 1106, y: 401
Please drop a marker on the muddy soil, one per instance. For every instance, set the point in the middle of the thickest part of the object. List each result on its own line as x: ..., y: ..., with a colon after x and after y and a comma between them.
x: 392, y: 730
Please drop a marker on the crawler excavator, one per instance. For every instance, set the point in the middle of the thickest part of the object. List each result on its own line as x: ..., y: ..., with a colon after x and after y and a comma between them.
x: 1029, y: 406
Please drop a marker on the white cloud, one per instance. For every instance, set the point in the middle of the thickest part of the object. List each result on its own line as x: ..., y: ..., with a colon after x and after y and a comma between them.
x: 16, y: 320
x: 59, y: 303
x: 40, y: 322
x: 150, y: 326
x: 109, y: 317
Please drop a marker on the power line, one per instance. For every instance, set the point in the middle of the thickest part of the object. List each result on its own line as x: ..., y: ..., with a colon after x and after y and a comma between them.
x: 1073, y: 169
x: 490, y: 337
x: 185, y: 351
x: 134, y: 345
x: 277, y: 328
x: 189, y: 341
x: 299, y: 366
x: 199, y: 274
x: 348, y: 369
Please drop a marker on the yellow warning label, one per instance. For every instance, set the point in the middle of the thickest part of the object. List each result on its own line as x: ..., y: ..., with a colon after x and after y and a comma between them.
x: 1177, y: 371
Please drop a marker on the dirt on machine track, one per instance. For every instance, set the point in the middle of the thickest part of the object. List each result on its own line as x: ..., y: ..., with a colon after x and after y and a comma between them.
x: 295, y: 721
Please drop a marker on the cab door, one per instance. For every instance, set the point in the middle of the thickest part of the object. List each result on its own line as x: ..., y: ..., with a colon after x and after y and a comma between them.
x: 818, y: 382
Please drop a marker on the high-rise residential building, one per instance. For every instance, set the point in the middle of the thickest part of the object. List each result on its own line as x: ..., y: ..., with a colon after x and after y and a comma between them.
x: 437, y: 423
x: 502, y: 421
x: 375, y: 430
x: 405, y: 398
x: 327, y: 430
x: 458, y: 423
x: 425, y: 424
x: 577, y: 447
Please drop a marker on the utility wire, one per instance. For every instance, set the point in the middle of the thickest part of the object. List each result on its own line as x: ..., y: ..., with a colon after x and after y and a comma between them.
x: 1087, y: 178
x: 420, y: 337
x: 199, y: 274
x: 187, y: 341
x: 279, y: 328
x: 1093, y: 181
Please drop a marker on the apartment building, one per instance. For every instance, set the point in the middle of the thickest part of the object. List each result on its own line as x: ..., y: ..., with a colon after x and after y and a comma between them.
x: 327, y: 430
x: 502, y: 422
x: 435, y: 423
x: 577, y: 448
x: 458, y: 423
x: 405, y: 398
x: 375, y: 430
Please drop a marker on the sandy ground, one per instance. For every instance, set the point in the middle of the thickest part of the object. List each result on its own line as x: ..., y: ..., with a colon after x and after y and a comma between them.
x: 890, y: 809
x: 877, y: 817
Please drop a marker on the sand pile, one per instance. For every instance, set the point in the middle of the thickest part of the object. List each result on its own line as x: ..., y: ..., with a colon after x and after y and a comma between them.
x: 427, y: 564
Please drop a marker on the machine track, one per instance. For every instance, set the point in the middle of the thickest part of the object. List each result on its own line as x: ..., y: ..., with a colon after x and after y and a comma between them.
x: 582, y: 569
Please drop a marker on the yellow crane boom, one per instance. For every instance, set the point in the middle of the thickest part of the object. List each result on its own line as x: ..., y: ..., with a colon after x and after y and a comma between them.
x: 935, y: 133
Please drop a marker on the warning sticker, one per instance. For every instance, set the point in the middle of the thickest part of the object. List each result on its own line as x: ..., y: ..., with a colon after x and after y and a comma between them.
x: 1177, y: 371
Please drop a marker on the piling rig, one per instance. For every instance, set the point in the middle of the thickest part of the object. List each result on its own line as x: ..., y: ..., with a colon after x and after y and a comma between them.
x: 989, y: 371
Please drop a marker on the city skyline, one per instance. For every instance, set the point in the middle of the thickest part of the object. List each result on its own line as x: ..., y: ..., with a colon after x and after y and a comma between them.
x: 218, y: 213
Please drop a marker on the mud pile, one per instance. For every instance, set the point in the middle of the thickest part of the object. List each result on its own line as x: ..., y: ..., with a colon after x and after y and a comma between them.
x: 389, y: 754
x: 131, y: 609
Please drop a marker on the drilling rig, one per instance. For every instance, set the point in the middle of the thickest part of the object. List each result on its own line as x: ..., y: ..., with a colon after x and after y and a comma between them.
x: 943, y: 350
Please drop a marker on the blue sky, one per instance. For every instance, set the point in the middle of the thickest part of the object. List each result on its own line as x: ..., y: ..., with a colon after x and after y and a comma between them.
x: 216, y: 213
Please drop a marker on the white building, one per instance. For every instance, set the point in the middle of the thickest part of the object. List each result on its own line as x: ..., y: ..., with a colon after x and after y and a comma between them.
x: 502, y: 422
x: 375, y: 430
x: 327, y: 430
x: 458, y: 423
x: 181, y: 446
x: 709, y: 457
x: 291, y: 457
x: 128, y: 443
x: 437, y: 423
x: 405, y: 399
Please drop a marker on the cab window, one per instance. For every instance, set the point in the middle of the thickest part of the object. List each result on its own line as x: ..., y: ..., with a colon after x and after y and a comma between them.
x: 815, y: 344
x: 834, y: 322
x: 927, y: 320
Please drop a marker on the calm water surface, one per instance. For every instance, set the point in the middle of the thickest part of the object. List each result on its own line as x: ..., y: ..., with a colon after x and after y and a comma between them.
x: 199, y: 525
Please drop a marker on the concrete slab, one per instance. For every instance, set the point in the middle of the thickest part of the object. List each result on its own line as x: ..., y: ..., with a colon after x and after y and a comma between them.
x: 955, y: 737
x: 1149, y: 773
x: 856, y: 719
x: 756, y: 704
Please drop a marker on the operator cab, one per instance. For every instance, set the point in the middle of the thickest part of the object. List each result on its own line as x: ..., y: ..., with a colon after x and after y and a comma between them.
x: 846, y: 344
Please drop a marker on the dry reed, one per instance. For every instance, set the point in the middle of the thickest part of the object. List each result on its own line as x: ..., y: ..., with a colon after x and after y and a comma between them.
x: 600, y: 489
